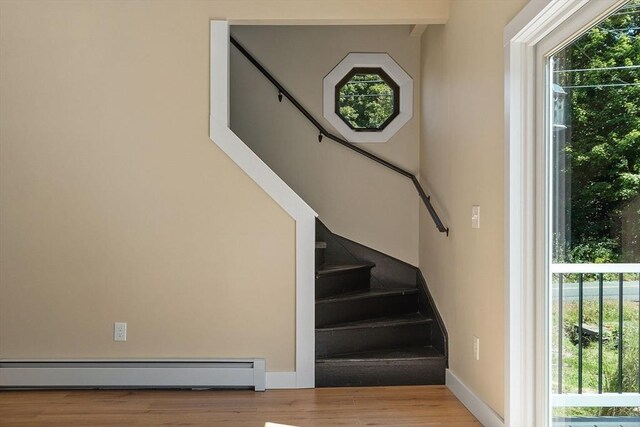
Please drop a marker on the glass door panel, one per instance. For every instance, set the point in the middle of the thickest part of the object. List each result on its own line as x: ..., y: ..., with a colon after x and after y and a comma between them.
x: 593, y: 137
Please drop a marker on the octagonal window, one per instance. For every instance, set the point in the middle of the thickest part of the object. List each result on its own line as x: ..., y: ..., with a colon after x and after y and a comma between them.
x: 367, y: 99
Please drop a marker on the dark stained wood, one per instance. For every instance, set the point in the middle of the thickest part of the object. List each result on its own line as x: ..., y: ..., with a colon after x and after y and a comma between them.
x: 367, y: 302
x: 380, y: 406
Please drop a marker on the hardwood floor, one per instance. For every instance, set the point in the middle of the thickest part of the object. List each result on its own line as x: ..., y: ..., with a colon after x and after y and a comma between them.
x: 391, y: 406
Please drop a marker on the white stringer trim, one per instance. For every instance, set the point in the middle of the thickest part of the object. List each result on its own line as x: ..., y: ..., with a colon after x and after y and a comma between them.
x: 283, y: 195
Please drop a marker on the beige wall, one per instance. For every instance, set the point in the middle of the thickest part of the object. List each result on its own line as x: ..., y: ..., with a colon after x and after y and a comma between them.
x: 354, y: 196
x: 462, y: 162
x: 114, y: 203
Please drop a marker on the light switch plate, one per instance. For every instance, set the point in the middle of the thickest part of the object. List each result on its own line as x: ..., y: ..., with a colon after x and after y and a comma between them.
x: 475, y: 216
x: 476, y: 348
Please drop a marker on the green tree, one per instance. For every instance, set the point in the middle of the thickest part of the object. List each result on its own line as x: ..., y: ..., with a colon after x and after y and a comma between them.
x: 600, y: 73
x: 366, y: 101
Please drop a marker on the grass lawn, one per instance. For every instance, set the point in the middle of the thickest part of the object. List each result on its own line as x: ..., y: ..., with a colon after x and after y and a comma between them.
x: 631, y: 310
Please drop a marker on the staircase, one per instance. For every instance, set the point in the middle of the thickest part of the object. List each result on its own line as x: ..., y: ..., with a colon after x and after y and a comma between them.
x: 376, y: 323
x: 375, y: 320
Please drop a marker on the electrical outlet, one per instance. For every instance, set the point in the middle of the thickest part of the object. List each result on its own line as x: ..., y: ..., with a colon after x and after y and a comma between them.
x: 120, y: 331
x: 476, y: 347
x: 475, y: 216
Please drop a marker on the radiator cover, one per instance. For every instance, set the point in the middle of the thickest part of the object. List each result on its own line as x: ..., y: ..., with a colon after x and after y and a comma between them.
x: 164, y: 373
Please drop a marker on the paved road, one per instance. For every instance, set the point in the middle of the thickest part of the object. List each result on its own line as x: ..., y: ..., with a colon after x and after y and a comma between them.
x: 570, y: 291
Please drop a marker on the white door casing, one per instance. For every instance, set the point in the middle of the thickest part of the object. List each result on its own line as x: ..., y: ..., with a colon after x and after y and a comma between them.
x: 526, y: 266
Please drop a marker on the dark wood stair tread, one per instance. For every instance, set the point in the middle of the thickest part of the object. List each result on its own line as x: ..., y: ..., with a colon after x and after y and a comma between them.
x: 331, y: 270
x: 359, y: 295
x: 397, y: 366
x: 380, y: 322
x: 406, y: 353
x: 375, y: 325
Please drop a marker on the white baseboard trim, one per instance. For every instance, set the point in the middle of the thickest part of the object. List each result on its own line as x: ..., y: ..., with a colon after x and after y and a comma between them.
x: 474, y: 404
x: 280, y: 380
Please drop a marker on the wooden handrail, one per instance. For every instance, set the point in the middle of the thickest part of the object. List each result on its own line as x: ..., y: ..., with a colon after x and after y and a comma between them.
x: 323, y: 132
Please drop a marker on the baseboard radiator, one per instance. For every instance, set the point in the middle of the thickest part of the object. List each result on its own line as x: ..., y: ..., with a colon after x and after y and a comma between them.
x: 178, y: 373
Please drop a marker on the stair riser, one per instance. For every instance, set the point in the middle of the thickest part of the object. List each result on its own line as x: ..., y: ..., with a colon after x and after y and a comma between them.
x: 331, y: 312
x: 344, y: 282
x: 320, y: 257
x: 332, y: 342
x: 379, y: 373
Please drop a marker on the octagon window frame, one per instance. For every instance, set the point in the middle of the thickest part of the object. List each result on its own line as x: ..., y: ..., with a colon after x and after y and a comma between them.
x: 395, y: 73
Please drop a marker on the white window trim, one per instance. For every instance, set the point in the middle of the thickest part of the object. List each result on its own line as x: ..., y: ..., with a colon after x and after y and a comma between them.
x: 368, y: 60
x: 526, y: 379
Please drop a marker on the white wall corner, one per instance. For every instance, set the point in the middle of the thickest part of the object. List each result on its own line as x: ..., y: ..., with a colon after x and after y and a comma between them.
x: 219, y: 66
x: 483, y: 412
x: 417, y: 30
x: 303, y: 215
x: 259, y: 374
x: 305, y: 301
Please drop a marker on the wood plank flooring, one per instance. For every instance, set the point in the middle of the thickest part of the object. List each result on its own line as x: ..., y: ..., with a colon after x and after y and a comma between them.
x: 381, y: 406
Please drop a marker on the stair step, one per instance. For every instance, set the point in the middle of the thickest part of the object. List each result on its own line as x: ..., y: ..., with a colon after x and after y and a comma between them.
x: 373, y: 334
x: 380, y: 322
x: 340, y: 279
x: 390, y: 354
x: 399, y: 366
x: 332, y: 270
x: 320, y: 256
x: 369, y: 294
x: 369, y: 336
x: 365, y: 305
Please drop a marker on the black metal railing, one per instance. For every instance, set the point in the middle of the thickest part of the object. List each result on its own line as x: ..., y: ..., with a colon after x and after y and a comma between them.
x: 323, y: 132
x: 585, y: 285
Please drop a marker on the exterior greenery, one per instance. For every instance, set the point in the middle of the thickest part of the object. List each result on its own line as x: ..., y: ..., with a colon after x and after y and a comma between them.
x: 596, y: 217
x: 590, y: 354
x: 597, y: 98
x: 366, y: 101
